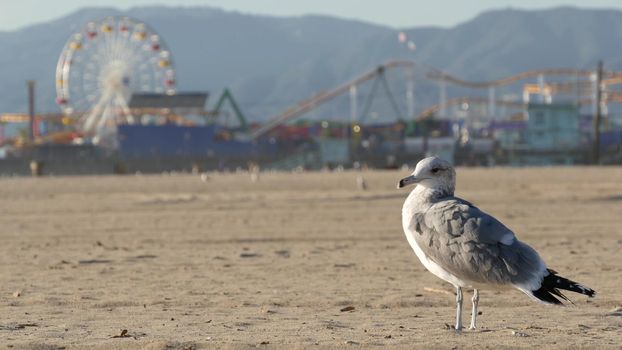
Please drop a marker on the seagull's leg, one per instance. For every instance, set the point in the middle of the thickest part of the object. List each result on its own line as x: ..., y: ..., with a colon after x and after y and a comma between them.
x: 458, y: 308
x: 475, y: 301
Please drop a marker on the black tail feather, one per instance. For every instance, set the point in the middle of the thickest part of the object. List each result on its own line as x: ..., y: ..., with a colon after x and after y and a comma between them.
x: 552, y: 283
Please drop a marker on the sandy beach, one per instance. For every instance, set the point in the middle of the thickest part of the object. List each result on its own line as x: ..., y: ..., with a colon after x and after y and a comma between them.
x: 290, y: 261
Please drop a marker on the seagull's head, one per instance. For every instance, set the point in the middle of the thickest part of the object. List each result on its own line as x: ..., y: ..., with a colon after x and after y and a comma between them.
x: 434, y: 173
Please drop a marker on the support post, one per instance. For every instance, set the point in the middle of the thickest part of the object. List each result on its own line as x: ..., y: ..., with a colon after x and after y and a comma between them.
x: 541, y: 87
x: 31, y: 110
x: 443, y: 97
x: 353, y: 104
x: 387, y: 89
x: 597, y: 116
x: 410, y: 92
x: 492, y: 102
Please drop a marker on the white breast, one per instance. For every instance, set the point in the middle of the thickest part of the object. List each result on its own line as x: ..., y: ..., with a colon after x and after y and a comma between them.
x: 431, y: 266
x: 408, y: 212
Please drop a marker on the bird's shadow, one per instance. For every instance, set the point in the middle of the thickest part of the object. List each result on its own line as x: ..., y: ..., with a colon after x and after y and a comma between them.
x: 613, y: 198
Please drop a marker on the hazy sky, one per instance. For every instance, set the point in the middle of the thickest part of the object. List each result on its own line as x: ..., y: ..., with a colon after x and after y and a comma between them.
x: 396, y: 13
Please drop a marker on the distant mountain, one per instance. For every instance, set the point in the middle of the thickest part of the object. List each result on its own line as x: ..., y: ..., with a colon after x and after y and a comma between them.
x: 272, y: 62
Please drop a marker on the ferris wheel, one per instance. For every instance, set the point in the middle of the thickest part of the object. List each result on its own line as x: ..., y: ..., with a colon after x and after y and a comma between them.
x: 103, y: 64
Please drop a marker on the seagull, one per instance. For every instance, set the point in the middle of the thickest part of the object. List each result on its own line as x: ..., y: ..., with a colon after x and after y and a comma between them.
x: 468, y: 248
x: 361, y: 183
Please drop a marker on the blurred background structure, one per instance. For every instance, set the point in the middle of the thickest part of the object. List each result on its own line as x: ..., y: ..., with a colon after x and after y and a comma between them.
x: 190, y: 89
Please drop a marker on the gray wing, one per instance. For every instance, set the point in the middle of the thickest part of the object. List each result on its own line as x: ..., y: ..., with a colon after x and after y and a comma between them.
x: 474, y: 246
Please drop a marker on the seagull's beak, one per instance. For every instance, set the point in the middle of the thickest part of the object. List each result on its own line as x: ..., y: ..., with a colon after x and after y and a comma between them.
x: 412, y: 179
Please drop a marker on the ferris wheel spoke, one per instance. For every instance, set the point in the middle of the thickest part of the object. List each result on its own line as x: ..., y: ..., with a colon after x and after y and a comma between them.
x: 109, y: 51
x: 125, y: 116
x: 120, y: 47
x: 94, y: 115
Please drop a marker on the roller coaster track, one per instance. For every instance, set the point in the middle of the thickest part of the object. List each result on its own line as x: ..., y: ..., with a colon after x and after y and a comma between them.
x: 325, y: 96
x: 609, y: 78
x: 430, y: 111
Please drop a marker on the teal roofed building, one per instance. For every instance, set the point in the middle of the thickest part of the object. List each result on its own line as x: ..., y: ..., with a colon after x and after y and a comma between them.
x: 551, y: 134
x: 553, y: 128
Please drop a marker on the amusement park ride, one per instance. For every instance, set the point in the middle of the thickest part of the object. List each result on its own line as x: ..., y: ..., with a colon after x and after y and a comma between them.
x: 102, y: 65
x: 111, y: 62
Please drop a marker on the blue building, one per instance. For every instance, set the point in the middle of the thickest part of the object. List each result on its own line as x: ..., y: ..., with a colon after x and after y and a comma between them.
x: 548, y: 134
x: 553, y: 128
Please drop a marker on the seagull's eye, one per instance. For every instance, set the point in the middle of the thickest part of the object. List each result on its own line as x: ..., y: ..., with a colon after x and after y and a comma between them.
x: 435, y: 170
